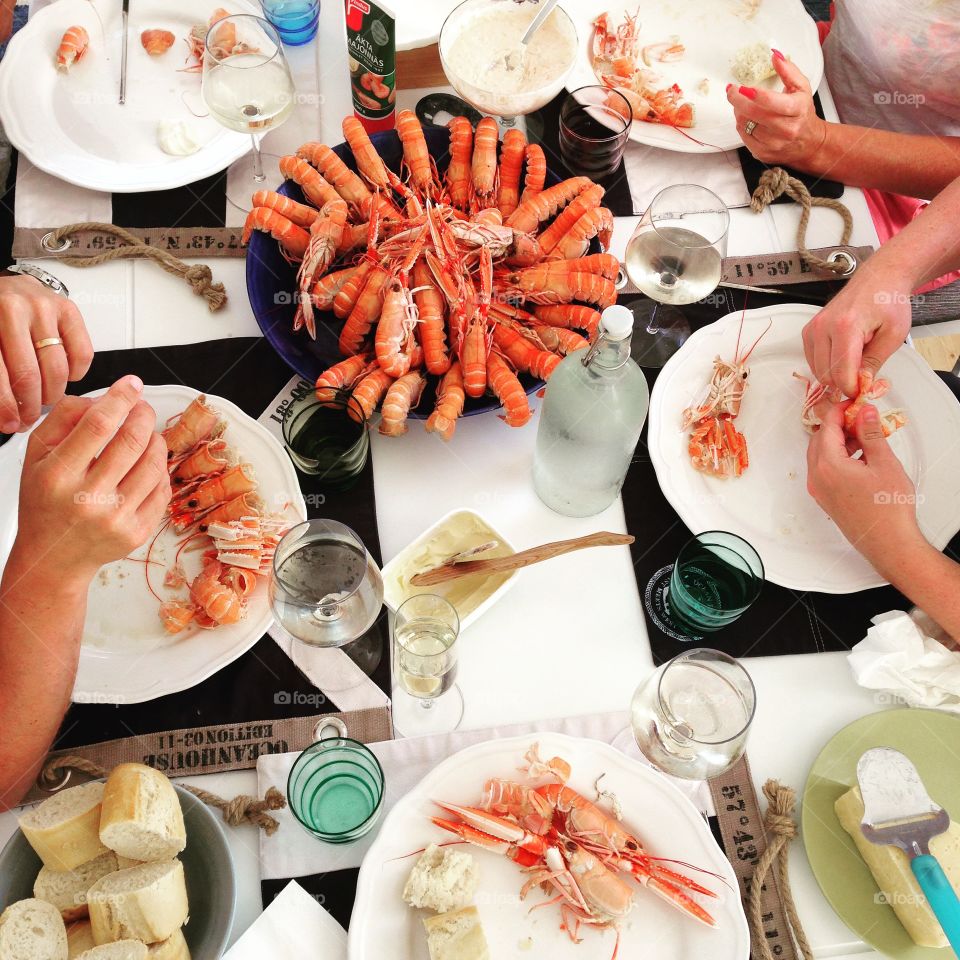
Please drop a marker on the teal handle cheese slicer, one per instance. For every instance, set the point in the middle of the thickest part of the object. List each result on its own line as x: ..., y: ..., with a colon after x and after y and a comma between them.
x: 898, y: 811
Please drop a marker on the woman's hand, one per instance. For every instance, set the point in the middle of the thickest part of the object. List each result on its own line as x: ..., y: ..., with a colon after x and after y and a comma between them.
x: 788, y: 130
x: 860, y: 329
x: 871, y: 499
x: 29, y: 311
x: 95, y: 482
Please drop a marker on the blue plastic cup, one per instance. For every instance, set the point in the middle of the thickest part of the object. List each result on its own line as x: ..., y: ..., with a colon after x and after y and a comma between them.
x: 295, y: 20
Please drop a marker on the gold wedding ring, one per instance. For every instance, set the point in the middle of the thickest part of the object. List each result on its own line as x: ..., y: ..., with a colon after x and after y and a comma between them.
x: 47, y: 342
x: 751, y: 125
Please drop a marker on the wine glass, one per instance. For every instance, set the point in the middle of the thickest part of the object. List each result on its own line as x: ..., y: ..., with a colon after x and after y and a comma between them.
x: 326, y: 591
x: 674, y: 257
x: 488, y: 71
x: 426, y: 699
x: 690, y: 718
x: 247, y: 87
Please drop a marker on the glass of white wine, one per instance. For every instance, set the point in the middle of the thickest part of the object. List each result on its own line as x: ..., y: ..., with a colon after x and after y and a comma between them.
x: 674, y: 257
x: 690, y: 718
x: 426, y: 698
x: 247, y: 87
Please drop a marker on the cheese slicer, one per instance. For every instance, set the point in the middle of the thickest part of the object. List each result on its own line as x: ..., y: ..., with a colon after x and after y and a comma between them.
x: 898, y: 811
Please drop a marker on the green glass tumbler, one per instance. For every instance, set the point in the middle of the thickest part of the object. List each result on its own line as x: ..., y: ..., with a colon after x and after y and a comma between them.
x: 335, y: 789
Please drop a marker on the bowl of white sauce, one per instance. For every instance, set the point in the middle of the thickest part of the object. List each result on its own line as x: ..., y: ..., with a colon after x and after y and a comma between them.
x: 483, y: 59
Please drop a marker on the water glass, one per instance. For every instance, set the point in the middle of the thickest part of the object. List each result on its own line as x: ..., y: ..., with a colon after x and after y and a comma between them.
x: 296, y: 20
x: 328, y: 440
x: 691, y: 717
x: 715, y: 580
x: 325, y: 588
x: 335, y: 789
x: 426, y: 699
x: 595, y: 124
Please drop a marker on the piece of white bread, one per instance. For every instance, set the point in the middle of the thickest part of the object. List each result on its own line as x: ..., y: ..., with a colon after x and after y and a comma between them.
x: 118, y: 950
x: 79, y: 938
x: 67, y: 890
x: 65, y: 828
x: 147, y: 903
x: 173, y: 948
x: 456, y: 935
x: 891, y: 871
x: 442, y: 880
x: 124, y: 863
x: 32, y: 930
x: 141, y: 817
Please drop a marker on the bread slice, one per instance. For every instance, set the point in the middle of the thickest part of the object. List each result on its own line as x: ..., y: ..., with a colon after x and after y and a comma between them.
x: 124, y: 863
x: 32, y: 930
x: 456, y: 935
x: 64, y: 829
x: 442, y: 880
x: 891, y: 871
x: 118, y: 950
x: 173, y: 948
x: 67, y: 890
x: 79, y: 938
x: 147, y: 903
x: 141, y: 817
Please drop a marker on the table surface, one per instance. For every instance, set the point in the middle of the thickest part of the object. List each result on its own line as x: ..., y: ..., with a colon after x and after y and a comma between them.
x: 520, y: 660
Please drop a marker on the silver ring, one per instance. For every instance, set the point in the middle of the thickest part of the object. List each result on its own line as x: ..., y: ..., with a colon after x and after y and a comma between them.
x: 46, y: 241
x: 750, y: 127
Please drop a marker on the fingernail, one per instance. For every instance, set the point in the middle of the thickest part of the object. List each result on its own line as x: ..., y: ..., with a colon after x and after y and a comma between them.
x: 749, y: 92
x: 870, y: 414
x: 777, y: 55
x: 729, y: 85
x: 10, y: 426
x: 135, y: 382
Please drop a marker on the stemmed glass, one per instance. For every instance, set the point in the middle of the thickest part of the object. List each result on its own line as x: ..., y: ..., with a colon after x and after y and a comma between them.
x: 326, y: 590
x: 674, y: 257
x: 690, y: 718
x: 247, y: 87
x: 426, y: 699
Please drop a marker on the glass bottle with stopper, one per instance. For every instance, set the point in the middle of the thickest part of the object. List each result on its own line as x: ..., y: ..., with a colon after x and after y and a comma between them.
x: 593, y: 411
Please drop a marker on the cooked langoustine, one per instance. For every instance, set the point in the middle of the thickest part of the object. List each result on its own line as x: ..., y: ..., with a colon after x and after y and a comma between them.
x: 73, y: 45
x: 869, y: 388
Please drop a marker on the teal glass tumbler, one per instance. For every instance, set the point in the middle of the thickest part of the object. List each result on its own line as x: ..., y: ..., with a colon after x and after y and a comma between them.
x: 335, y: 789
x: 715, y: 580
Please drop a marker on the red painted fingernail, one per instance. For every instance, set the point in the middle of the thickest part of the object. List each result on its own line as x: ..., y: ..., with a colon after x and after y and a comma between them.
x: 777, y: 55
x: 729, y: 85
x: 749, y: 92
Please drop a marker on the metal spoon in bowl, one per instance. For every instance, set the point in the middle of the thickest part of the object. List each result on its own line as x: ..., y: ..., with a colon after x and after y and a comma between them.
x: 515, y: 58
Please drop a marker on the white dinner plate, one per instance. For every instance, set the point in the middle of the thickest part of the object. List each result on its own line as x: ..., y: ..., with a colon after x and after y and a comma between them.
x: 801, y: 547
x: 72, y: 126
x: 712, y: 32
x: 127, y: 656
x: 666, y: 822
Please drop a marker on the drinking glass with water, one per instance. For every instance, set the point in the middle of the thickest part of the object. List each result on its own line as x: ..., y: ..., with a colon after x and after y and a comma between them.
x: 426, y: 698
x: 691, y: 717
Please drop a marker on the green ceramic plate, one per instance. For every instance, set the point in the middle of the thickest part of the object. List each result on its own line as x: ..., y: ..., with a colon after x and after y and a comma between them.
x: 931, y: 739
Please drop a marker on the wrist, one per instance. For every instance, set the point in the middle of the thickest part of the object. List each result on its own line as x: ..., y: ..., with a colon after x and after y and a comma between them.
x: 41, y: 578
x: 813, y: 157
x: 898, y: 557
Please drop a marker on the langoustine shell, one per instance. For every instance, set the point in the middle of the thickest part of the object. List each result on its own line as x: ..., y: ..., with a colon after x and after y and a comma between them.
x: 157, y: 42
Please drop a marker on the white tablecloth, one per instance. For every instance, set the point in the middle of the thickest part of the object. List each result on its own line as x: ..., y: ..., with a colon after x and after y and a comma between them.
x: 573, y: 640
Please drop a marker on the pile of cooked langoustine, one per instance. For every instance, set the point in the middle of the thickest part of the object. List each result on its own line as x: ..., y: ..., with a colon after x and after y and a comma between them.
x: 461, y: 276
x: 216, y: 507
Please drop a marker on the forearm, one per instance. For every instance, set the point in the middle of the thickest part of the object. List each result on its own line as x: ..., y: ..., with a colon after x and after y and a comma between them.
x: 909, y: 164
x: 928, y: 578
x: 41, y: 624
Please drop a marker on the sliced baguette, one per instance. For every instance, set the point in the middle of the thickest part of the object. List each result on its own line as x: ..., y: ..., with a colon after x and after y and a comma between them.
x: 173, y: 948
x: 118, y: 950
x: 32, y: 930
x: 79, y: 938
x: 141, y: 817
x: 124, y: 863
x: 456, y: 935
x: 67, y: 890
x: 64, y: 829
x: 147, y: 903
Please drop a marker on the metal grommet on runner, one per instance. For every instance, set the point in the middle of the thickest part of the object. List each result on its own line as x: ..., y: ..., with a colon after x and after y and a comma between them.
x: 48, y: 243
x: 52, y: 779
x: 841, y: 256
x: 621, y: 280
x: 329, y: 723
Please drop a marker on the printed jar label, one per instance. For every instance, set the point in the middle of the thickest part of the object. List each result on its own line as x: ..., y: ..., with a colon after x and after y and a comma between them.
x: 371, y: 49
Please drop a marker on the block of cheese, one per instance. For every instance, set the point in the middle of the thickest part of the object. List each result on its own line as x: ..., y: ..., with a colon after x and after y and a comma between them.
x: 65, y: 828
x: 890, y: 867
x: 456, y: 935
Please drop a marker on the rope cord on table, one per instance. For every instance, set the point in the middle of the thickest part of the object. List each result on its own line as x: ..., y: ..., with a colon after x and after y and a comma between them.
x: 241, y: 809
x: 774, y: 182
x: 782, y: 829
x: 198, y: 275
